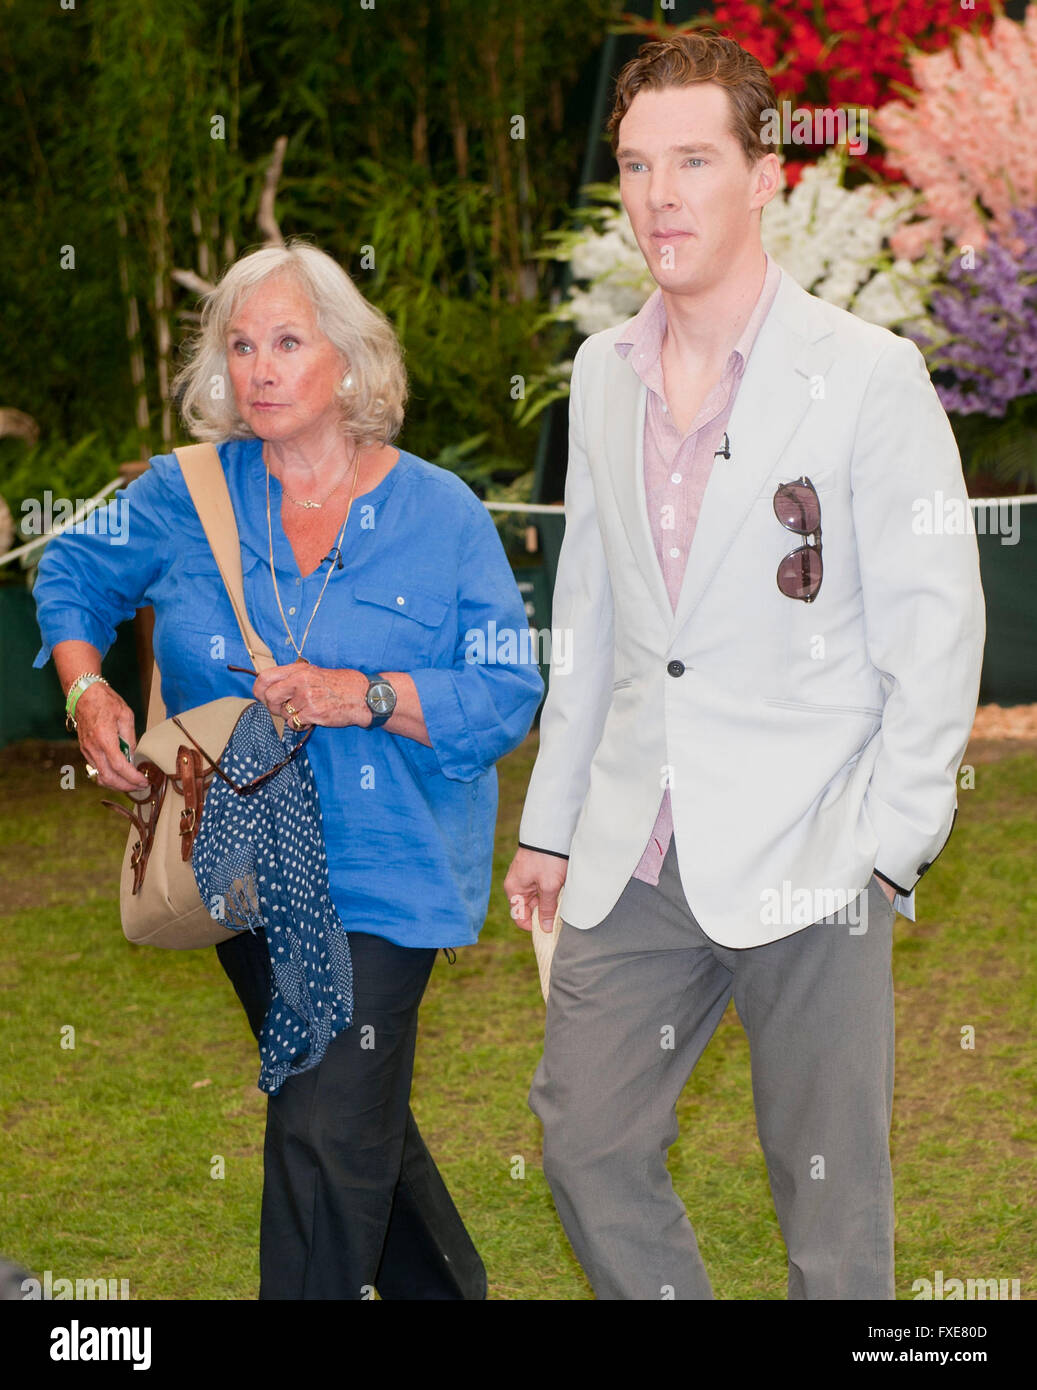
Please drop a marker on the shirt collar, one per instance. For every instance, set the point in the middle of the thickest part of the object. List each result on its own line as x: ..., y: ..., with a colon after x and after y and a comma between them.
x: 648, y: 326
x: 246, y: 459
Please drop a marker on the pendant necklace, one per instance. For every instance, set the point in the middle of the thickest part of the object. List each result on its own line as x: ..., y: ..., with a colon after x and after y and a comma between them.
x: 310, y: 504
x: 337, y: 546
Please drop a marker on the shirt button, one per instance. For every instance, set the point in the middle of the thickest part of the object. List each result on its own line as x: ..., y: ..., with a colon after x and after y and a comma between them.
x: 676, y: 668
x: 674, y: 552
x: 291, y: 610
x: 675, y: 477
x: 400, y: 599
x: 298, y: 582
x: 288, y: 641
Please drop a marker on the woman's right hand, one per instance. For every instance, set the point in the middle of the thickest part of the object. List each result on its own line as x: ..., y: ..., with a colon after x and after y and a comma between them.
x: 102, y: 718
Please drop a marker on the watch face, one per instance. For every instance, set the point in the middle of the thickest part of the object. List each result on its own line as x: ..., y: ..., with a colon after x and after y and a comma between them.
x: 381, y: 698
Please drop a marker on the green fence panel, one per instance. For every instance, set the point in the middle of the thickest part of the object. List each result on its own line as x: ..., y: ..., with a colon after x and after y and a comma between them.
x: 31, y: 704
x: 1008, y: 565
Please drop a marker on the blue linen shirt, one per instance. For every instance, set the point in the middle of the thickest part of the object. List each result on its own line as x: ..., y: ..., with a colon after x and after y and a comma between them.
x: 409, y: 829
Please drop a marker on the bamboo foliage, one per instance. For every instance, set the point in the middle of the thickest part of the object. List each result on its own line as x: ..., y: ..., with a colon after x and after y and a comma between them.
x: 136, y: 51
x: 133, y: 336
x: 160, y: 304
x: 161, y: 141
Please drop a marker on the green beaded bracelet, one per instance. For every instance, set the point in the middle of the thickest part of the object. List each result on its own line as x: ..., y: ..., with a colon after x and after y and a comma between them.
x: 75, y: 690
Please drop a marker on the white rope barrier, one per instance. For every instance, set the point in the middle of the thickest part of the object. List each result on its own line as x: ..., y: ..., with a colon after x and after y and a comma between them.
x: 999, y: 501
x: 74, y: 520
x: 533, y: 507
x: 530, y: 508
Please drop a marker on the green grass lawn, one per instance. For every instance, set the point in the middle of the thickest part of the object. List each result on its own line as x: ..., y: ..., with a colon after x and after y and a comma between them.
x: 109, y: 1147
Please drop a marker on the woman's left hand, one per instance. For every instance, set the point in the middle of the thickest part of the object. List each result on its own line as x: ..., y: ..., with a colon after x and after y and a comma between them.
x: 316, y: 694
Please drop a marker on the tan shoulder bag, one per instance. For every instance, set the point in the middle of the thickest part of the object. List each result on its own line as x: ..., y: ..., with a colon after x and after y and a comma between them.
x: 158, y: 898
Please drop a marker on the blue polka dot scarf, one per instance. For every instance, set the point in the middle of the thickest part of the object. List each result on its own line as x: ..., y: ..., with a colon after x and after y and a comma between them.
x: 261, y: 856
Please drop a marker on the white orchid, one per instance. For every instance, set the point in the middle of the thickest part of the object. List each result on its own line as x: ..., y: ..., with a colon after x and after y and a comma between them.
x: 833, y: 241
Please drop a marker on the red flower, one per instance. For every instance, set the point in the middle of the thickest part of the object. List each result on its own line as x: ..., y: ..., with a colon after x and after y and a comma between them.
x: 853, y: 52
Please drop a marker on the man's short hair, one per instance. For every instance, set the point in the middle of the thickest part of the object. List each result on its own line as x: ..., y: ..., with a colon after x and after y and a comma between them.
x: 703, y: 55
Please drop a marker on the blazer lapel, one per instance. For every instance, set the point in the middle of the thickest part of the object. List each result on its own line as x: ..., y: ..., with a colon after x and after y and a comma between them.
x: 772, y: 401
x: 627, y: 404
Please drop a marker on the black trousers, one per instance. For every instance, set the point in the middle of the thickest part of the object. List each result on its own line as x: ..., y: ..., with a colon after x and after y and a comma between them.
x: 352, y: 1200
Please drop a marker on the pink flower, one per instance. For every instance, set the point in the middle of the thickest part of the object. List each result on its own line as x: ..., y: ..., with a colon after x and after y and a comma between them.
x: 961, y: 142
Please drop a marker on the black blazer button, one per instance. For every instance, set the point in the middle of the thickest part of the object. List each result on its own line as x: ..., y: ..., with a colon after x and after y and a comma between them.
x: 676, y: 668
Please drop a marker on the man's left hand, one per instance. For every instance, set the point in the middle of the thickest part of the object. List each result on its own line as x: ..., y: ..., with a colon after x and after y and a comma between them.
x: 887, y: 888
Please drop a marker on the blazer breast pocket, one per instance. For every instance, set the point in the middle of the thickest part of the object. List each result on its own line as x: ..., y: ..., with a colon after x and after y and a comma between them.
x: 824, y: 478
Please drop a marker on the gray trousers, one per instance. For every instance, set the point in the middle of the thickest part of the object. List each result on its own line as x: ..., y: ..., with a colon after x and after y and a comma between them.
x: 633, y: 1003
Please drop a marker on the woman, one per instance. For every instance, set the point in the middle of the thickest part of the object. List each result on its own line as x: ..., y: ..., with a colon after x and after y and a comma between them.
x: 360, y: 560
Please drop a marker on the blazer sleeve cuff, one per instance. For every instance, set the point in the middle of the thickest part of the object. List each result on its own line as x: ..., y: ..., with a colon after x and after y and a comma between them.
x: 904, y: 892
x: 539, y: 849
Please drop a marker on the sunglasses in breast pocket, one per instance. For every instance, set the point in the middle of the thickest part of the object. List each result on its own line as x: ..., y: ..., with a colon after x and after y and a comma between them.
x: 798, y: 508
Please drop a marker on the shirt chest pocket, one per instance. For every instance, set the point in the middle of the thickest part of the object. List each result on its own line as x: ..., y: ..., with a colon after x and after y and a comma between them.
x: 404, y: 623
x: 195, y: 588
x: 200, y: 603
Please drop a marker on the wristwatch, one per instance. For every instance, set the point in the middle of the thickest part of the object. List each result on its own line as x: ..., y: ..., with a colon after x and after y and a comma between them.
x: 381, y: 700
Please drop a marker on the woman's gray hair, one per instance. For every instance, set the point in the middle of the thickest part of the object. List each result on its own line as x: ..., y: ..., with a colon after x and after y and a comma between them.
x: 372, y: 402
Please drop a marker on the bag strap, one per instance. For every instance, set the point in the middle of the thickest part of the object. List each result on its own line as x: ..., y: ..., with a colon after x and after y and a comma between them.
x: 156, y: 708
x: 204, y: 476
x: 203, y: 473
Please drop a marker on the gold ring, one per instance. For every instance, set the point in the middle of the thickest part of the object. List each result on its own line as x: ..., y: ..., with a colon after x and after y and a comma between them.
x: 295, y: 722
x: 91, y: 771
x: 288, y: 707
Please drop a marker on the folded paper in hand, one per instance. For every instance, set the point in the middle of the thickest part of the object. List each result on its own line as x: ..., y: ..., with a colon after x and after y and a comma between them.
x: 544, y: 943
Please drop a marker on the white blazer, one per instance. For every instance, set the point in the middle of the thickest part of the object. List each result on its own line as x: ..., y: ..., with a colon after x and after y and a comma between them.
x: 804, y: 744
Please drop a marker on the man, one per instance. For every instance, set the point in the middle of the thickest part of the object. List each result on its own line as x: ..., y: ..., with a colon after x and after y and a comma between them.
x: 754, y: 752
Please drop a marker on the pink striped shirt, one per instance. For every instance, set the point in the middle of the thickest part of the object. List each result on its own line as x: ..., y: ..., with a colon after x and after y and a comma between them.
x: 677, y: 470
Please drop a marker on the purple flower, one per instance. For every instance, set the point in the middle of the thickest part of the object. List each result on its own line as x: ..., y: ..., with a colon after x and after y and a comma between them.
x: 990, y: 313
